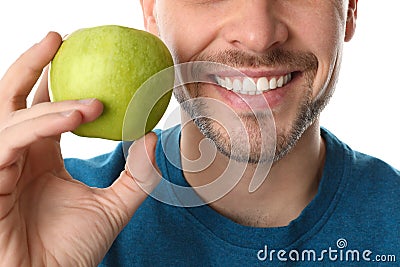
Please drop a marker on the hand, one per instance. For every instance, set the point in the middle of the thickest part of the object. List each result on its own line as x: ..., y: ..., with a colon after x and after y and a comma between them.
x: 46, y: 217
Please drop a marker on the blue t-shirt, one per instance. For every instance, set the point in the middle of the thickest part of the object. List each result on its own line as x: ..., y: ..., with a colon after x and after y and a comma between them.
x: 354, y: 220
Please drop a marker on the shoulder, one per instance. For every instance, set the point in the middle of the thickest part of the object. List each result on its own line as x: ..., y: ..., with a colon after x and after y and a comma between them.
x: 358, y: 162
x: 367, y: 177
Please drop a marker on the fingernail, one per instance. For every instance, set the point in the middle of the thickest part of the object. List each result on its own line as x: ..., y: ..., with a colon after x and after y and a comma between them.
x: 67, y: 113
x: 86, y: 101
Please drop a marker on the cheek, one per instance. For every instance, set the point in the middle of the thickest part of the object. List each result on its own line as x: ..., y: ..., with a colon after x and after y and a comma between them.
x: 328, y: 51
x: 318, y: 27
x: 186, y: 35
x: 329, y: 65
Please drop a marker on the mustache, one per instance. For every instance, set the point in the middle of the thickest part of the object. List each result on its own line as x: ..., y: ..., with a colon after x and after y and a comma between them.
x: 303, y: 61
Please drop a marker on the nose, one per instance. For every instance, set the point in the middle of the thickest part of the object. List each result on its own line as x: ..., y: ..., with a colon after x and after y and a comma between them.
x: 254, y: 26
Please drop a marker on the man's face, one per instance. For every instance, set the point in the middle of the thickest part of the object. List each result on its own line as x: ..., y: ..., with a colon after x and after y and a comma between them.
x: 293, y: 47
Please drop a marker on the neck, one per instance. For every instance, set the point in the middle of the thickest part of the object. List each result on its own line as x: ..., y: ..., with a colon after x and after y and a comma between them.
x: 287, y: 189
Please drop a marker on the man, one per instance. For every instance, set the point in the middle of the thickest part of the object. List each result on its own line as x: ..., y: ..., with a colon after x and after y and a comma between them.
x: 319, y: 202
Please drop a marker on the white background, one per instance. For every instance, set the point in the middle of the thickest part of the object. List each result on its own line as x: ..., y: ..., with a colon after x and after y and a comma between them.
x: 364, y: 111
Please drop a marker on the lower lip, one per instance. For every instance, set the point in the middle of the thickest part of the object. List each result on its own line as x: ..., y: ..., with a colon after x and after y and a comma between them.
x: 254, y: 102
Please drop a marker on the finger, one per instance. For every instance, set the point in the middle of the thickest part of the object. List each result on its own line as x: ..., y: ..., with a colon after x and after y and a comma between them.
x: 9, y: 179
x: 23, y: 74
x: 141, y: 162
x: 138, y: 179
x: 15, y: 139
x: 89, y: 108
x: 42, y: 92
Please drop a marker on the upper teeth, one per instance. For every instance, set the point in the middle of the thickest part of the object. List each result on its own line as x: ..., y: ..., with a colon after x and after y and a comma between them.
x: 252, y: 86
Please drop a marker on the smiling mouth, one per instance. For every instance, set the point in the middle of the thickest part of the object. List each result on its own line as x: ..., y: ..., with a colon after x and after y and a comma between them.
x: 252, y: 86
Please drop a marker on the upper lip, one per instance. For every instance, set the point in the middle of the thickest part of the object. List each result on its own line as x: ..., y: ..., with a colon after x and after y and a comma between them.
x: 253, y: 73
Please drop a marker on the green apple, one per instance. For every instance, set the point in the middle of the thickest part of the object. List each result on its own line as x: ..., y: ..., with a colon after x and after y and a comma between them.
x: 111, y: 63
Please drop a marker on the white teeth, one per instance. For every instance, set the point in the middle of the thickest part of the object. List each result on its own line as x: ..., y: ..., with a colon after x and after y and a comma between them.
x: 221, y: 82
x: 280, y: 82
x: 262, y: 84
x: 237, y: 86
x: 272, y: 84
x: 248, y: 86
x: 228, y: 84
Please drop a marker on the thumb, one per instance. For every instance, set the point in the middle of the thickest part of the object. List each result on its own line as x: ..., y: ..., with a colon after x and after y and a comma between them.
x: 140, y: 176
